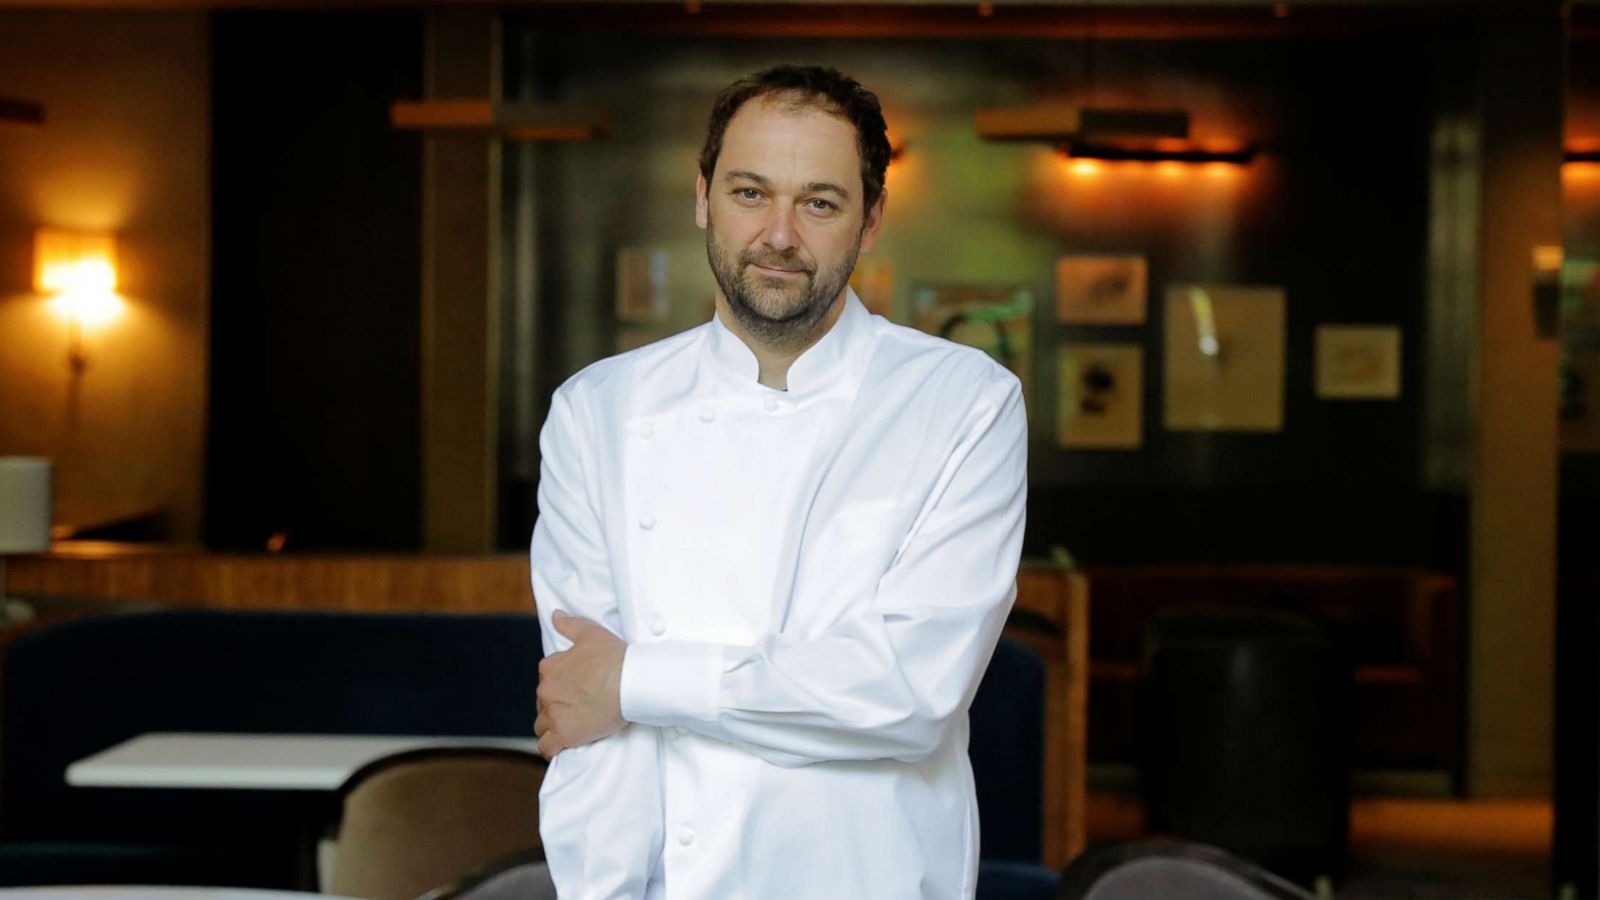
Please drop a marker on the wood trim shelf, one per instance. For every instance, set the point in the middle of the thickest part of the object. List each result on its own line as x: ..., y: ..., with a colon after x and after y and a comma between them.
x: 509, y: 121
x: 15, y: 112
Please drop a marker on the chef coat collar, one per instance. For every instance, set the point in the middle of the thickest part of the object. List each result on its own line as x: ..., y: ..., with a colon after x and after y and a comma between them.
x: 822, y: 364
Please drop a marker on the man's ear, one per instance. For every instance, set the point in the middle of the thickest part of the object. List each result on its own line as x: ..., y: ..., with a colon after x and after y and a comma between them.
x: 874, y: 221
x: 701, y: 201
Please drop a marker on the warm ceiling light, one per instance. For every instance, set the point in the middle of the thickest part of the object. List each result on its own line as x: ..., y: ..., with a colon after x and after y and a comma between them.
x: 1581, y: 171
x: 1109, y: 133
x: 1167, y: 152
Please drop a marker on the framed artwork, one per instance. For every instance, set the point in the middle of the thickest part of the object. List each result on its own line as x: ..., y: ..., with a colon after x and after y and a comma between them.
x: 1358, y: 362
x: 1100, y: 396
x: 873, y: 280
x: 1224, y: 357
x: 1580, y: 292
x: 997, y: 319
x: 1580, y: 401
x: 1101, y: 290
x: 642, y: 296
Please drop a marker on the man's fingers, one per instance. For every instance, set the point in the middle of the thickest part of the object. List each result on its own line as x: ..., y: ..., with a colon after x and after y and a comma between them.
x: 541, y: 725
x: 549, y: 746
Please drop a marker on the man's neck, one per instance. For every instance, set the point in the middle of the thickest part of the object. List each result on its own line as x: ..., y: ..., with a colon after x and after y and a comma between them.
x: 774, y: 361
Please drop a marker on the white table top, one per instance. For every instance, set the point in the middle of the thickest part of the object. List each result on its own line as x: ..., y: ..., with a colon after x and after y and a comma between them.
x: 128, y: 892
x: 252, y: 761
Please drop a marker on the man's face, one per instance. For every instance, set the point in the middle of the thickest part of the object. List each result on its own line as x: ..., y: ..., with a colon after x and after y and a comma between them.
x: 784, y: 217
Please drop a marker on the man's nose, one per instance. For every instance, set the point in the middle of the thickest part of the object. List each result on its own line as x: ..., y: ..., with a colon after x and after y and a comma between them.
x: 780, y: 227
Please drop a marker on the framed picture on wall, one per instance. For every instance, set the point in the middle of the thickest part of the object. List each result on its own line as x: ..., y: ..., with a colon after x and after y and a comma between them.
x: 1224, y: 357
x: 997, y: 319
x: 1358, y: 362
x: 1100, y: 396
x: 1580, y: 292
x: 1101, y: 290
x: 642, y: 296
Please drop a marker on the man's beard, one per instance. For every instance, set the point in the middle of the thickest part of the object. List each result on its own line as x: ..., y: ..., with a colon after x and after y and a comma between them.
x: 783, y: 315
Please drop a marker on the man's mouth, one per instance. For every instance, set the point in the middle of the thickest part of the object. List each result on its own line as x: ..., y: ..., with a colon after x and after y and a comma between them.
x: 777, y: 271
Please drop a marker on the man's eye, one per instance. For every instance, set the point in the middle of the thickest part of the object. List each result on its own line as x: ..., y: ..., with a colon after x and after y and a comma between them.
x: 747, y: 194
x: 821, y: 205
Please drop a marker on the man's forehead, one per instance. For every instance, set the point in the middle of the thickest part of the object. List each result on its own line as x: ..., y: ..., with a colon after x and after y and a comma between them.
x: 778, y: 139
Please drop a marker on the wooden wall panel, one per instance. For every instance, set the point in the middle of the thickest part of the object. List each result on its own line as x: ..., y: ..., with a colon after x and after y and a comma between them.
x: 289, y: 582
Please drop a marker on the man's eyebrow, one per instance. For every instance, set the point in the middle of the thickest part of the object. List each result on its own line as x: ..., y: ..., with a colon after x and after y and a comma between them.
x: 817, y: 187
x: 742, y: 175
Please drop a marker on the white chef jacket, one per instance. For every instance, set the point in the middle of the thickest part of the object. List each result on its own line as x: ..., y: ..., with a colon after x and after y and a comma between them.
x: 811, y: 583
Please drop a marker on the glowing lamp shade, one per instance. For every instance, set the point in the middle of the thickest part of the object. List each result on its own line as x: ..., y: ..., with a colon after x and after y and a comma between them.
x: 88, y: 309
x: 72, y: 262
x: 80, y: 270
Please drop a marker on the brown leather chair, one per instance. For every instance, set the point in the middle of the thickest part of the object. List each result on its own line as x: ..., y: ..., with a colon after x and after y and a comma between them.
x: 1171, y: 870
x: 412, y: 822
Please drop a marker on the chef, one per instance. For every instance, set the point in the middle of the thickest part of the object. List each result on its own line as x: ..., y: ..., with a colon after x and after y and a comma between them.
x: 774, y: 553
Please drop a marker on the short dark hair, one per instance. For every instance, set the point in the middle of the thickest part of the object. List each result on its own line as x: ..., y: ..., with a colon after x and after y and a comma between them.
x: 809, y: 86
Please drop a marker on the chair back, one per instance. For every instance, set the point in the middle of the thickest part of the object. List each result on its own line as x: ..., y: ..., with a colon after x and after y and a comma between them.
x: 1171, y: 870
x: 1007, y: 753
x: 417, y: 820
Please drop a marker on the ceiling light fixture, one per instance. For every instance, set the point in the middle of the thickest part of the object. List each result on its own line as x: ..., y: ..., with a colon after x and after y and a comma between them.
x: 1110, y: 133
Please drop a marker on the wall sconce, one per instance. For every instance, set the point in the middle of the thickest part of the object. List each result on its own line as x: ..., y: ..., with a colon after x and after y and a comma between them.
x: 1110, y: 134
x: 79, y: 270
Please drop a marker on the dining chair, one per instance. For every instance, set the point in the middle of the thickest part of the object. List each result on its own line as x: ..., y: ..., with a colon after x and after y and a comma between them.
x: 416, y: 820
x: 1171, y: 870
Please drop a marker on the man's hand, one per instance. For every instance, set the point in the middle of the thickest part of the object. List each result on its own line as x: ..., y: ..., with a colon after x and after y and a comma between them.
x: 580, y: 688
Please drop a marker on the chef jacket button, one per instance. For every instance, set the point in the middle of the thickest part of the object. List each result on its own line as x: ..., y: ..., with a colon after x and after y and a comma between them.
x: 647, y: 431
x: 708, y: 416
x: 771, y: 405
x: 685, y: 835
x: 658, y: 627
x: 647, y: 521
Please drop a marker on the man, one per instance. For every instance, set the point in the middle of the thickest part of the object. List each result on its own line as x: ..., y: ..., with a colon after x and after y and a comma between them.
x: 774, y: 553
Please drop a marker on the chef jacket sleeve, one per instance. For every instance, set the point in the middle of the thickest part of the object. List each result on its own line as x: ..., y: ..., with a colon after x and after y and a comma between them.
x: 600, y: 805
x: 887, y: 681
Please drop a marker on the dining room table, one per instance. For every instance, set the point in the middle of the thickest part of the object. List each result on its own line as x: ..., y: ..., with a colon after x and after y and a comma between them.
x: 312, y: 764
x: 285, y: 762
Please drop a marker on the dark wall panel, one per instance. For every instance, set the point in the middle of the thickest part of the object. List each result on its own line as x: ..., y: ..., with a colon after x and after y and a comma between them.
x: 314, y: 419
